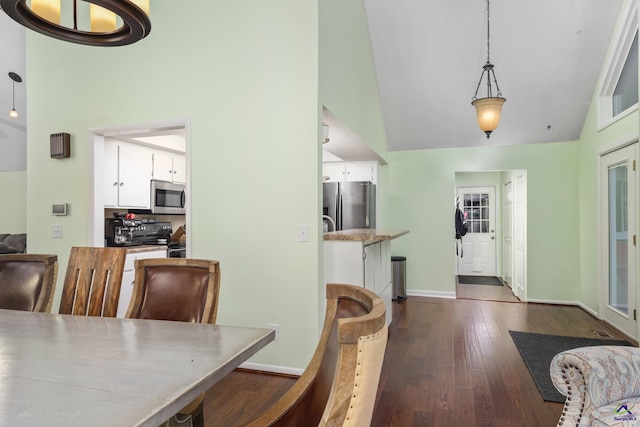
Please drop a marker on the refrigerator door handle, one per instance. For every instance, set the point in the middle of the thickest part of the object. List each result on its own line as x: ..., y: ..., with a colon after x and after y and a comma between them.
x: 339, y: 211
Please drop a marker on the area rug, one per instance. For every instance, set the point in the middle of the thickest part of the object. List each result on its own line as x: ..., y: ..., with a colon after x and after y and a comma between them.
x: 537, y: 350
x: 480, y: 280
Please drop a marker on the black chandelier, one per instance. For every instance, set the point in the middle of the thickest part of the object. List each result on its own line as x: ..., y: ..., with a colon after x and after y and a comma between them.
x: 488, y: 109
x: 44, y: 17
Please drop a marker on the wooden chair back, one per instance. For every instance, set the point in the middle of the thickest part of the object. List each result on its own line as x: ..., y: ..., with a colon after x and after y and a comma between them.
x: 178, y: 289
x: 92, y: 282
x: 28, y: 281
x: 338, y: 387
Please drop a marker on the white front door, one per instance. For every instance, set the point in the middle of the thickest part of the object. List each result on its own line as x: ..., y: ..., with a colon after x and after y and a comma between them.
x: 619, y: 267
x: 479, y: 245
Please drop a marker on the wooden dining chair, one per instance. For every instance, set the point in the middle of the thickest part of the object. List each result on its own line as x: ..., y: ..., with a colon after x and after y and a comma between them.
x: 92, y: 282
x: 339, y: 386
x: 28, y: 281
x: 178, y: 289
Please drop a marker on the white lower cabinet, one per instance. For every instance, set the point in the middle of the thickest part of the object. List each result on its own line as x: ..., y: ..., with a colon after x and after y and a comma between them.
x: 128, y: 276
x: 361, y: 263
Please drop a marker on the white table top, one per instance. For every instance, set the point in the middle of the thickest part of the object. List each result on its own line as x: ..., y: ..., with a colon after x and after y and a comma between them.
x: 62, y: 370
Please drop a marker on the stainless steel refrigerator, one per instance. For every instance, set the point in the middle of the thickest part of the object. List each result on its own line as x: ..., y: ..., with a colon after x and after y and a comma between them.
x: 350, y: 204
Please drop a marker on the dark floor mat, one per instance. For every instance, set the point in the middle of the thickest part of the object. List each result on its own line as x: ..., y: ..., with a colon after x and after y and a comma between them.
x: 480, y: 280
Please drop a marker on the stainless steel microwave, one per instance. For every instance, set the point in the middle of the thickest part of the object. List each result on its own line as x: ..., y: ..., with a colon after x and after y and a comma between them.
x: 168, y: 198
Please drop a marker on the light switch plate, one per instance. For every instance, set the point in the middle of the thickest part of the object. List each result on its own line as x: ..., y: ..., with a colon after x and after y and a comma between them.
x: 303, y: 233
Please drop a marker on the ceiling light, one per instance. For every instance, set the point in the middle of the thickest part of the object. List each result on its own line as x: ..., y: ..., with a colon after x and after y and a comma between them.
x: 44, y: 17
x: 488, y: 109
x: 16, y: 78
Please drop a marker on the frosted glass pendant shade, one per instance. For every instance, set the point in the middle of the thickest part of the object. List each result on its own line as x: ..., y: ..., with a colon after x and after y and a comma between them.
x: 142, y: 4
x: 102, y: 20
x: 47, y: 9
x: 13, y: 114
x: 488, y: 112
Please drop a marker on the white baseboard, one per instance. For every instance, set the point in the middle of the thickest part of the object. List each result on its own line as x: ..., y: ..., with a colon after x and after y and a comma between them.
x: 272, y: 368
x: 432, y: 294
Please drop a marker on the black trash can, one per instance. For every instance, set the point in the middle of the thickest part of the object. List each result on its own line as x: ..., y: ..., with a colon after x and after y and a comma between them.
x: 398, y: 278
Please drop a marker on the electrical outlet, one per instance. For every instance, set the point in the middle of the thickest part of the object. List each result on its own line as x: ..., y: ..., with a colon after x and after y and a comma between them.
x: 276, y: 328
x: 56, y: 231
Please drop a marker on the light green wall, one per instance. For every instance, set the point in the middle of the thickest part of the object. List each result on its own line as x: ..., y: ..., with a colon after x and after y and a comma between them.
x: 245, y: 73
x: 247, y: 76
x: 421, y: 194
x: 348, y: 85
x: 13, y: 193
x: 592, y: 142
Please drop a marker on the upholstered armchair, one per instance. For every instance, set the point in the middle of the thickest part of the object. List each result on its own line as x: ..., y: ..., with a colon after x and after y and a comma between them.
x: 602, y: 385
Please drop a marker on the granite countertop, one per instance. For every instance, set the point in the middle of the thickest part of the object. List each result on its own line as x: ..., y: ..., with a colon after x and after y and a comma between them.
x: 146, y: 248
x: 364, y: 234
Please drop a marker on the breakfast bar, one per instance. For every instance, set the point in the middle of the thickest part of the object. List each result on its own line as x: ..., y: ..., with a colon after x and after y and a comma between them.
x: 362, y: 257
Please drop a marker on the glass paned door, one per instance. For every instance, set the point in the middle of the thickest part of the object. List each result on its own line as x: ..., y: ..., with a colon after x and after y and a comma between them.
x: 479, y: 244
x: 619, y: 263
x: 618, y: 239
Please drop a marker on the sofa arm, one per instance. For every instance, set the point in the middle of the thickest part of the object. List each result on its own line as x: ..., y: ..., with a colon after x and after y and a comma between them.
x: 591, y: 377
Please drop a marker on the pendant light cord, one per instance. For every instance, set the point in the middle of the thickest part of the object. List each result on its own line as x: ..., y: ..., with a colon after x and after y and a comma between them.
x: 488, y: 34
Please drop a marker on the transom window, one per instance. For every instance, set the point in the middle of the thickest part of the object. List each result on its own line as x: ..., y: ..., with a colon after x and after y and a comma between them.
x: 618, y: 90
x: 625, y: 94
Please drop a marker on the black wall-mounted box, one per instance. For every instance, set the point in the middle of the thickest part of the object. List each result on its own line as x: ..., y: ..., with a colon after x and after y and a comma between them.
x: 60, y: 145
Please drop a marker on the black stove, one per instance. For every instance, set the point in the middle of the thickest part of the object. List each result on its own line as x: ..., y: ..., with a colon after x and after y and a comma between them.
x: 136, y: 232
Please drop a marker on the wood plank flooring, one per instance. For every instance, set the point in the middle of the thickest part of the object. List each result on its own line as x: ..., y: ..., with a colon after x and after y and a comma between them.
x: 449, y: 362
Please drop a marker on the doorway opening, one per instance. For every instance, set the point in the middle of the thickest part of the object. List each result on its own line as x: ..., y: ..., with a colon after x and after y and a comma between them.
x: 492, y: 262
x: 171, y: 135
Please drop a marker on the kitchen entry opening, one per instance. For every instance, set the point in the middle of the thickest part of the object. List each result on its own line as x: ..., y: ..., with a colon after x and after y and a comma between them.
x: 149, y: 134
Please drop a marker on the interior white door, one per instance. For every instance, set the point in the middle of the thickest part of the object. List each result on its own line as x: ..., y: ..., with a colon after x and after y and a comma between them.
x: 520, y: 235
x: 507, y: 233
x: 619, y: 265
x: 479, y: 245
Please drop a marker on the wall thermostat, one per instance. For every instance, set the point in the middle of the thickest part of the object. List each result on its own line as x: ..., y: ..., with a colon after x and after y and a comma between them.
x: 61, y: 209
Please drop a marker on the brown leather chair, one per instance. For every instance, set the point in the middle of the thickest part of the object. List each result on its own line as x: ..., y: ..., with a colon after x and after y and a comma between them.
x: 179, y: 289
x: 338, y: 387
x: 92, y: 282
x: 28, y: 281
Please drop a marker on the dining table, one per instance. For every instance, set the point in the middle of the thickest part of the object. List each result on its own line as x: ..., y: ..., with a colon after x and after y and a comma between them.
x: 64, y: 370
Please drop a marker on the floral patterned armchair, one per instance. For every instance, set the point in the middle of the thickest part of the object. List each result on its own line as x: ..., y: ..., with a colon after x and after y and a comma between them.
x: 602, y: 385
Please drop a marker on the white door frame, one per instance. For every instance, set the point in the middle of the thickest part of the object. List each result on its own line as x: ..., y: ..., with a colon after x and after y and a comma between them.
x: 625, y: 323
x: 507, y: 233
x: 95, y: 169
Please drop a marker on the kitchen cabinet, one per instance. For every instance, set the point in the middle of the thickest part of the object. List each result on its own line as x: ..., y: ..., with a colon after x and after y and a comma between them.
x: 127, y: 175
x: 361, y: 263
x: 358, y: 171
x: 128, y: 275
x: 169, y: 166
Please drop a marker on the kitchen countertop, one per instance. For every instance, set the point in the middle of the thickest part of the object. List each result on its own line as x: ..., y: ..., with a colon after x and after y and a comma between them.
x: 146, y: 248
x: 364, y: 234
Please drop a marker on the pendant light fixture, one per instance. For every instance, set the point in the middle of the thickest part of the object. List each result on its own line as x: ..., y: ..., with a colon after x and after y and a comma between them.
x: 488, y: 109
x: 44, y: 17
x: 16, y: 78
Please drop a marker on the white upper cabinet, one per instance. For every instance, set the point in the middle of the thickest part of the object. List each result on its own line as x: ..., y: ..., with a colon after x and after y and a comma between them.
x: 359, y: 171
x: 127, y: 175
x: 168, y: 166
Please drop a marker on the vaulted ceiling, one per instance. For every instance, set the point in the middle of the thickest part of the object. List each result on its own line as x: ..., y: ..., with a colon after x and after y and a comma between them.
x: 428, y: 58
x: 429, y: 55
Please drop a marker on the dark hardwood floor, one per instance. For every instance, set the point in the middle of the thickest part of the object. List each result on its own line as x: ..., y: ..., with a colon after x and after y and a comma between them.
x: 449, y: 362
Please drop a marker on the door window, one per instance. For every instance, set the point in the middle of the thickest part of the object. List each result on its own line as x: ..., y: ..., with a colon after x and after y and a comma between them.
x: 477, y: 212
